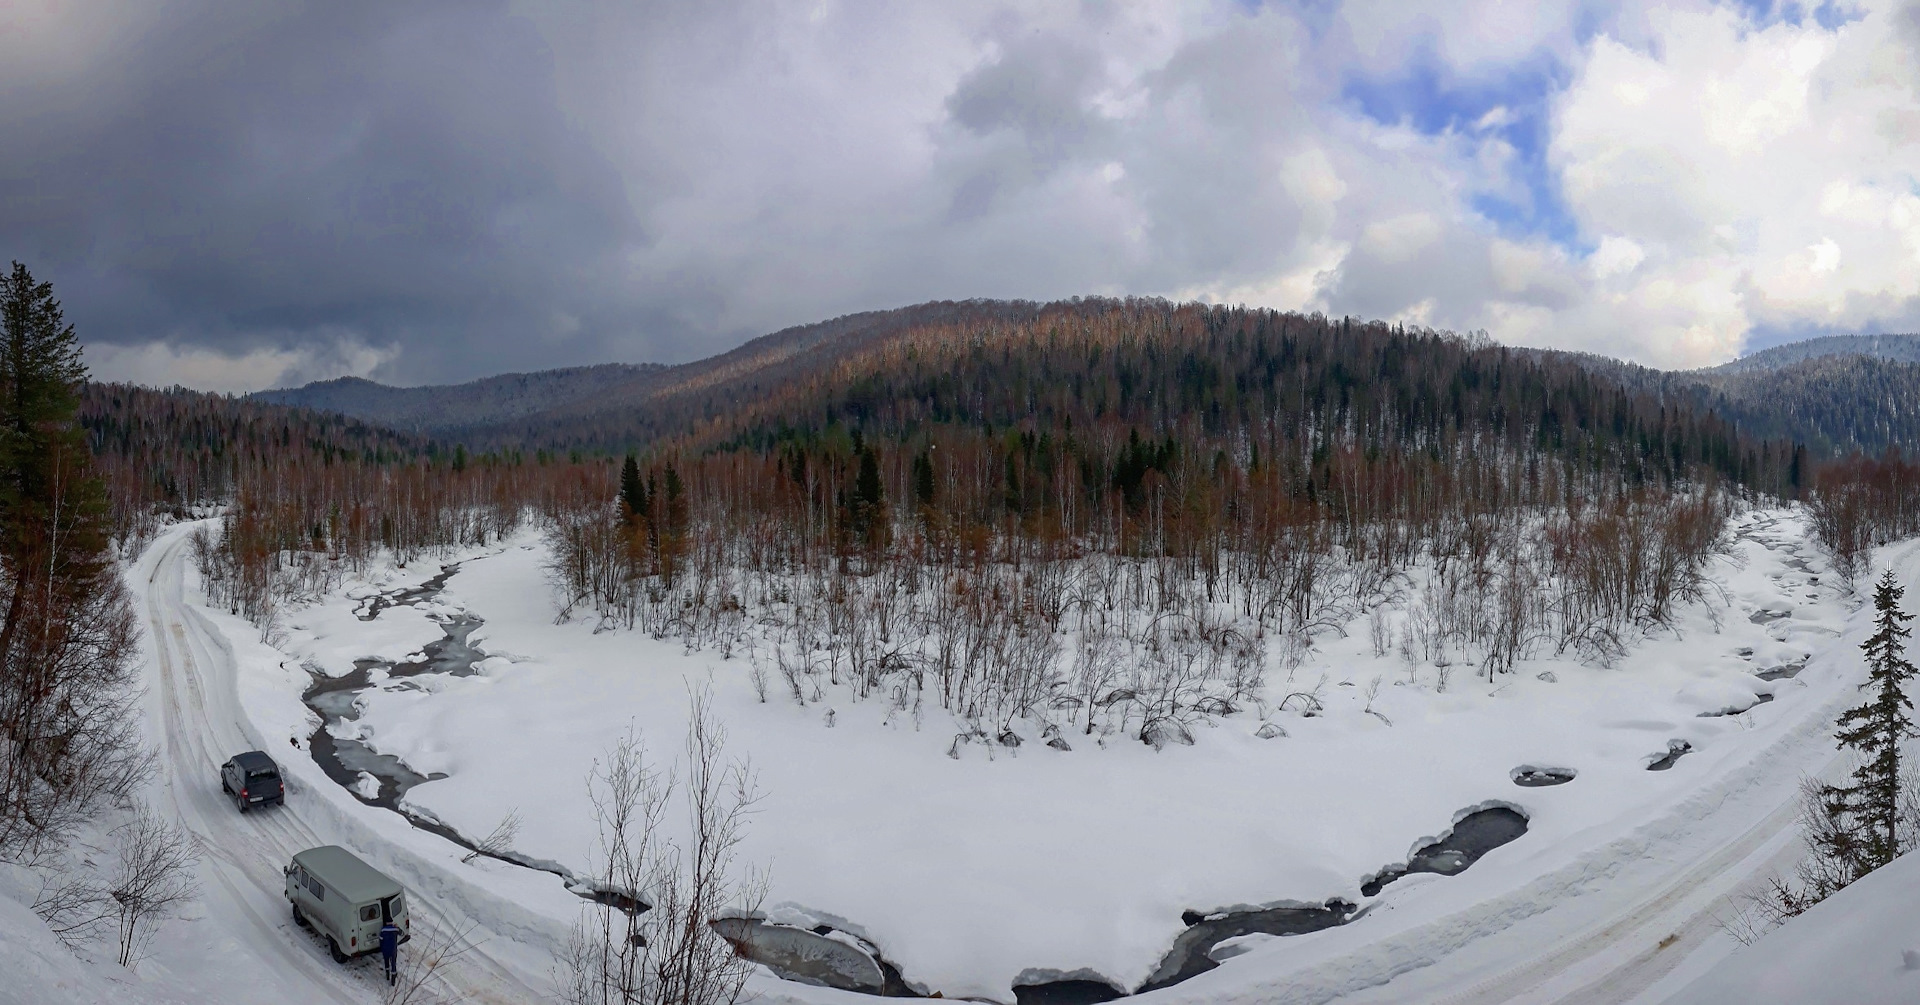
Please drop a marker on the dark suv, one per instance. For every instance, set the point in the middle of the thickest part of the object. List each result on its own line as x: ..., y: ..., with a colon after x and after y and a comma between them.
x: 251, y: 778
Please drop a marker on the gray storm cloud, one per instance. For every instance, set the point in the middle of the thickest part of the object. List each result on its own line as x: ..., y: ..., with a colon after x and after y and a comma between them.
x: 238, y: 194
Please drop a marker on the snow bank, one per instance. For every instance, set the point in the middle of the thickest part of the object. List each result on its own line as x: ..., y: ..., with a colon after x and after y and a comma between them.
x: 1861, y: 945
x: 37, y: 969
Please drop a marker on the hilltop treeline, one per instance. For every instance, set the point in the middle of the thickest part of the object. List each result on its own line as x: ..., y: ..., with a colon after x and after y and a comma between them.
x: 1238, y: 381
x: 1836, y: 405
x: 1832, y: 406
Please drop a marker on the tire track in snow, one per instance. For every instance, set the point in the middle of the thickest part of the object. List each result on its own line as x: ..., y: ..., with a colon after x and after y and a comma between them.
x: 184, y: 757
x: 1631, y: 953
x: 202, y: 719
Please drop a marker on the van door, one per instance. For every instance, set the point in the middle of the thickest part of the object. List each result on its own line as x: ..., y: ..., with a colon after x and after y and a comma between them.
x: 318, y: 910
x: 394, y: 909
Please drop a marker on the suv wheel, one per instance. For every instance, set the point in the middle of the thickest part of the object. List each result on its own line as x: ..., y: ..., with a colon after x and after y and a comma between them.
x: 240, y: 801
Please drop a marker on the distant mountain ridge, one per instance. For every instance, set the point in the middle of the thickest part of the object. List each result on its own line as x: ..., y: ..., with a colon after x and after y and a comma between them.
x: 1893, y: 348
x: 1835, y: 394
x: 432, y: 408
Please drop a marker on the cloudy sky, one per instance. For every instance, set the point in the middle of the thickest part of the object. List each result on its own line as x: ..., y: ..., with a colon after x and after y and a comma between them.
x: 242, y: 195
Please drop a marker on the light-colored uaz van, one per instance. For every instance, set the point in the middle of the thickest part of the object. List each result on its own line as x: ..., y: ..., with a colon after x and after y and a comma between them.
x: 344, y: 899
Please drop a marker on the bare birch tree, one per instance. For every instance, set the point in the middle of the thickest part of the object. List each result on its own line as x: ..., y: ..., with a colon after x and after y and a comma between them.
x: 650, y: 940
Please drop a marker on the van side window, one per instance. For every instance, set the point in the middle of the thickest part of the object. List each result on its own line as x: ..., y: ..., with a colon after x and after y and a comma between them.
x: 313, y: 886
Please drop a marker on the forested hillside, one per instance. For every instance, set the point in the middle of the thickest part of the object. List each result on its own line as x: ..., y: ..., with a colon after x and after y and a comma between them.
x: 1232, y: 380
x: 1833, y: 395
x: 167, y: 450
x: 1175, y: 488
x: 1834, y: 405
x: 610, y: 404
x: 1893, y: 348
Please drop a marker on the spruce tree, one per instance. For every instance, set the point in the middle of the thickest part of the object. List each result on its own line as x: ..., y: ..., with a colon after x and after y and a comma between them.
x: 1876, y: 729
x: 632, y: 492
x: 922, y: 478
x: 868, y: 495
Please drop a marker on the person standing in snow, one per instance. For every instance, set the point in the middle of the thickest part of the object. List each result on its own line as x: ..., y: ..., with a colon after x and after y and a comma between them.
x: 390, y: 947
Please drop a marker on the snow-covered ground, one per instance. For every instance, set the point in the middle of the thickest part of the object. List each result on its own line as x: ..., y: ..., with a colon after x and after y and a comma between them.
x: 1861, y: 946
x: 1007, y: 865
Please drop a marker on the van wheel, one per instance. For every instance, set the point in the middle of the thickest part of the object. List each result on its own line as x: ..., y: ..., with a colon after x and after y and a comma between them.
x: 334, y: 948
x: 299, y: 919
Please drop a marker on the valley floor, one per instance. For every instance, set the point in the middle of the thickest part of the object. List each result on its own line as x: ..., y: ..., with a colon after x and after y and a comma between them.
x: 1015, y: 865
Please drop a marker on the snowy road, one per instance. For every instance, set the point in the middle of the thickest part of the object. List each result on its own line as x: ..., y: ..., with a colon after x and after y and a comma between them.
x: 198, y: 723
x: 1662, y: 927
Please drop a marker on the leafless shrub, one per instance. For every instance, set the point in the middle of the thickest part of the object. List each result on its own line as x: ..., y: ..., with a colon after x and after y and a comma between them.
x: 1373, y: 692
x: 757, y: 676
x: 1379, y: 631
x: 74, y: 907
x: 431, y: 953
x: 499, y: 841
x: 667, y: 952
x: 152, y: 877
x: 69, y: 706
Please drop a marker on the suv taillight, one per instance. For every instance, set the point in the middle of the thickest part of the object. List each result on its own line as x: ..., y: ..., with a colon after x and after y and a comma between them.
x: 243, y: 793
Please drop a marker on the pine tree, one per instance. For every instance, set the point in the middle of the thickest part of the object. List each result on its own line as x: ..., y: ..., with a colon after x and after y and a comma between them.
x: 67, y: 702
x: 40, y: 377
x: 1876, y: 729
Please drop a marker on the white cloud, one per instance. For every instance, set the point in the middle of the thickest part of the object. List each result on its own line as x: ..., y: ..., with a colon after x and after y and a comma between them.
x: 1400, y: 238
x: 1747, y: 176
x: 164, y: 364
x: 1616, y: 256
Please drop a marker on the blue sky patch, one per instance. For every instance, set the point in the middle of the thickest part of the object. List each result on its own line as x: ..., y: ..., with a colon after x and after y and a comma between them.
x: 1428, y: 96
x: 1828, y: 14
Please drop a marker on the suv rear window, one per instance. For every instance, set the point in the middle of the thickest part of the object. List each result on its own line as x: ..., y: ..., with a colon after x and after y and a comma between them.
x: 263, y: 773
